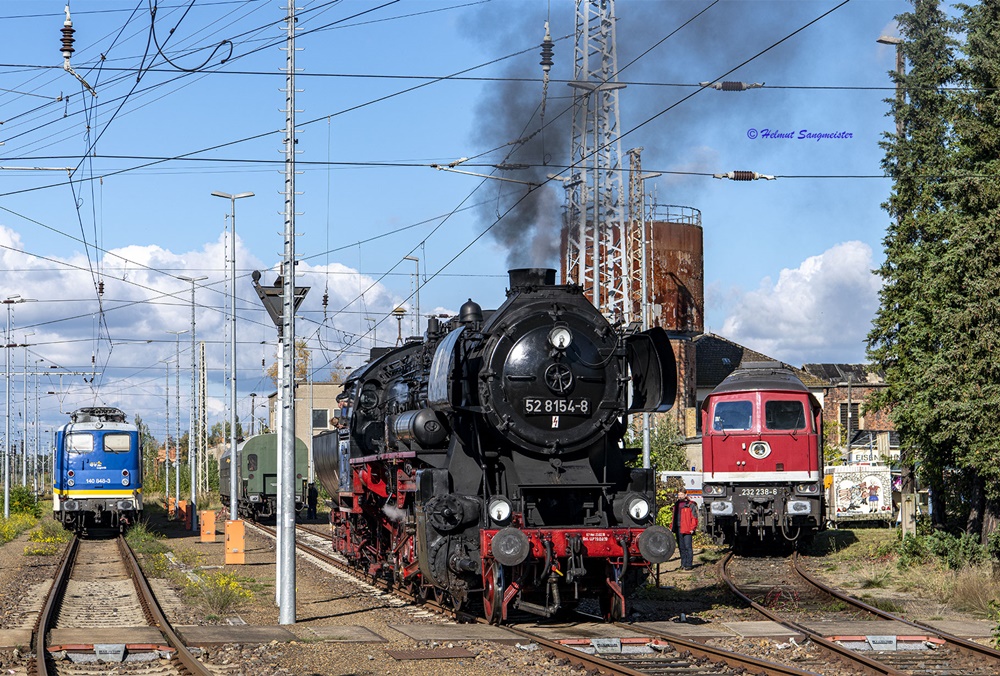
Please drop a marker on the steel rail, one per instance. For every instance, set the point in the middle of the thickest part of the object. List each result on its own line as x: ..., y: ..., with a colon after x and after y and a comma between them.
x: 959, y: 643
x: 151, y: 606
x: 589, y: 662
x: 719, y: 655
x: 47, y: 615
x: 850, y: 656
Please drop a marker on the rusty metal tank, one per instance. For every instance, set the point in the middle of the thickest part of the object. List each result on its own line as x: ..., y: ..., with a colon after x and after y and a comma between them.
x: 677, y: 274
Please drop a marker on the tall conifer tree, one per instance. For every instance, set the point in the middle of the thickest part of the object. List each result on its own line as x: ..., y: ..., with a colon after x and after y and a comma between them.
x: 969, y: 274
x: 905, y: 341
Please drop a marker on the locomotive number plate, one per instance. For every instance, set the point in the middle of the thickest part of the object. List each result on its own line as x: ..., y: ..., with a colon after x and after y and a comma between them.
x: 553, y: 406
x: 758, y: 491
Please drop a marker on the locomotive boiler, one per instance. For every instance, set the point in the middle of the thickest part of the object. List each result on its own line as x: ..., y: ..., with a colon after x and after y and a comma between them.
x: 762, y: 459
x: 483, y: 464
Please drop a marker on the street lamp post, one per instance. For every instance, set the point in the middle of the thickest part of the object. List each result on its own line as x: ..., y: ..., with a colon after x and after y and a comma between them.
x: 416, y: 282
x: 24, y: 399
x: 9, y: 301
x: 232, y: 354
x: 900, y: 71
x: 192, y: 445
x: 177, y: 424
x: 909, y: 499
x: 166, y: 443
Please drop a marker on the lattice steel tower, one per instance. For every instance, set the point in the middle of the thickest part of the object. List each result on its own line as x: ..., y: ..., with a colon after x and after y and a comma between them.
x: 595, y: 237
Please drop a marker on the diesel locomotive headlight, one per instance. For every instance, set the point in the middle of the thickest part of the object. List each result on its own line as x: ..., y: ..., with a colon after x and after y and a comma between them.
x: 713, y: 489
x: 500, y: 510
x: 560, y: 337
x: 807, y: 489
x: 638, y: 509
x: 70, y: 483
x: 760, y: 449
x: 125, y: 481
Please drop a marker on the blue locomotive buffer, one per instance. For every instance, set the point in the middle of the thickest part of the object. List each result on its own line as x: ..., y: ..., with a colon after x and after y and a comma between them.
x: 98, y: 471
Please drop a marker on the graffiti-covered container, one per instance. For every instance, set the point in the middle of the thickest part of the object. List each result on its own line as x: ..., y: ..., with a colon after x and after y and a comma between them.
x: 859, y: 493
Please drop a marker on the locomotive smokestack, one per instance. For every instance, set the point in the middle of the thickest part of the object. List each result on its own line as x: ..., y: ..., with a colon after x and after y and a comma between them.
x: 528, y: 277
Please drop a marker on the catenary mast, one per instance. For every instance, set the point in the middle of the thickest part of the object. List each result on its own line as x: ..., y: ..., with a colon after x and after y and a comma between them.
x: 596, y: 230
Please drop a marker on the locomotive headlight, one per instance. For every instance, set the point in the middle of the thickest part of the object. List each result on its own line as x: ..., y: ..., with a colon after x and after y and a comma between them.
x: 70, y: 483
x: 560, y: 337
x: 125, y: 481
x: 638, y: 509
x: 500, y: 510
x: 807, y: 489
x: 713, y: 489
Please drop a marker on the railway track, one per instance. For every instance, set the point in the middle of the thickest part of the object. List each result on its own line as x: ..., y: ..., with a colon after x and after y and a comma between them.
x: 791, y: 597
x: 641, y: 656
x: 101, y: 608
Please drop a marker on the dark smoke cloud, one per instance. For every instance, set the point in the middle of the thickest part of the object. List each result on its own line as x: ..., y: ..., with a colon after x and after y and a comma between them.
x: 509, y: 118
x: 726, y: 35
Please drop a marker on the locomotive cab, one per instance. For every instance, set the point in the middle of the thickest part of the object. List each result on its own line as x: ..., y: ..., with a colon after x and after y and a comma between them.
x: 97, y: 475
x: 762, y: 457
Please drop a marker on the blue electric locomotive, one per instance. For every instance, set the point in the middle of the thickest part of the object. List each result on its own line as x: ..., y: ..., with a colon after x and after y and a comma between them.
x: 97, y: 477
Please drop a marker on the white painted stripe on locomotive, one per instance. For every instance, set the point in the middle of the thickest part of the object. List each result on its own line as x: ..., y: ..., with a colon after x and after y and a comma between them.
x: 760, y: 477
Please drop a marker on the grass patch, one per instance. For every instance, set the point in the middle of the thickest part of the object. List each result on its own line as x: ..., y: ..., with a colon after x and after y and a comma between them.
x: 220, y: 593
x: 973, y: 589
x: 47, y: 539
x: 15, y: 525
x: 888, y: 605
x: 877, y: 577
x: 144, y: 541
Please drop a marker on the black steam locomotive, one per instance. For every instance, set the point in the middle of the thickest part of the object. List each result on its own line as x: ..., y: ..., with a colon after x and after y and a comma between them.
x: 486, y: 459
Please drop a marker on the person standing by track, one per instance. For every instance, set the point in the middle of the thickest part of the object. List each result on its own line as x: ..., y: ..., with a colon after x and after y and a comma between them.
x: 684, y: 525
x: 312, y: 497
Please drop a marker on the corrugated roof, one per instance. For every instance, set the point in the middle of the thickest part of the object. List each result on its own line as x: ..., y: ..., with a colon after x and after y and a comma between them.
x: 841, y: 373
x: 717, y: 357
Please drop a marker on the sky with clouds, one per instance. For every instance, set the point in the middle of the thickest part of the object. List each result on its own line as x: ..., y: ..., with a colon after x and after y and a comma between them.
x: 113, y: 191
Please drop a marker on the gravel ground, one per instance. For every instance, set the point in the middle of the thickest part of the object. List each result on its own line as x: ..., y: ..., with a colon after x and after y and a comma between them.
x: 327, y: 600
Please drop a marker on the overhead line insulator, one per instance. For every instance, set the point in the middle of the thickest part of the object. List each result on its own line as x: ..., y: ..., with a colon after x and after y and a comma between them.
x: 744, y: 176
x: 548, y: 49
x: 731, y: 86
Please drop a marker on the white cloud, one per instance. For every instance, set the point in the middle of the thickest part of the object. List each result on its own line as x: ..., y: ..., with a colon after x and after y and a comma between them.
x: 820, y: 311
x: 144, y: 300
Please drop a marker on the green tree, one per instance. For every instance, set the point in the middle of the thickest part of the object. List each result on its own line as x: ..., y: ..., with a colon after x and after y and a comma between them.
x: 909, y: 328
x: 968, y: 391
x: 666, y: 448
x: 150, y: 448
x: 302, y: 356
x: 219, y: 432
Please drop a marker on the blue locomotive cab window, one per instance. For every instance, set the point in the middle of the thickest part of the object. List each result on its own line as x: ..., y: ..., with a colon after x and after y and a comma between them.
x: 79, y: 442
x: 117, y: 443
x: 251, y: 462
x: 784, y: 415
x: 733, y: 415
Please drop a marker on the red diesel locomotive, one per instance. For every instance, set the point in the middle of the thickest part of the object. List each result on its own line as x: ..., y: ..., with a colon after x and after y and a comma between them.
x: 762, y: 458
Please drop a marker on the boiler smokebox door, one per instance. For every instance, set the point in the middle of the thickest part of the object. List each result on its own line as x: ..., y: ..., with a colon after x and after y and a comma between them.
x: 654, y: 371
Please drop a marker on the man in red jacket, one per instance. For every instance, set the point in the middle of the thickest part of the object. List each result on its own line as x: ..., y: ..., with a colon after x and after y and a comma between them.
x: 685, y: 523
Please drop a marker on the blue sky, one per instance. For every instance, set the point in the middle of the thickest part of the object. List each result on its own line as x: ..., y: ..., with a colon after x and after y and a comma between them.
x: 787, y: 262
